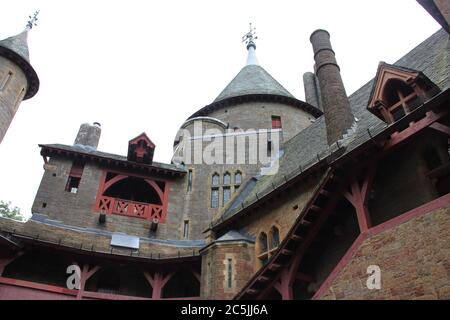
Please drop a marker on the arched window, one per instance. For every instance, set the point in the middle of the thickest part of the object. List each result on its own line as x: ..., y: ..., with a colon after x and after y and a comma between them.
x: 274, y: 238
x: 215, y: 179
x: 238, y: 178
x: 227, y: 178
x: 263, y: 249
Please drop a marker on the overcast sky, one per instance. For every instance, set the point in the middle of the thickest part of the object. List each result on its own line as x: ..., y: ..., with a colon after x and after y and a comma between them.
x: 139, y: 66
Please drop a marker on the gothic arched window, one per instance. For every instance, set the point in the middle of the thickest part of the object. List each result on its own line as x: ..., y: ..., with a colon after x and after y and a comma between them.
x: 238, y: 178
x: 274, y: 238
x: 215, y: 179
x: 227, y: 178
x: 263, y: 249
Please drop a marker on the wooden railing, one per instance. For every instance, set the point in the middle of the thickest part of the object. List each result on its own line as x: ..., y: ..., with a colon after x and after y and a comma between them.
x: 130, y: 208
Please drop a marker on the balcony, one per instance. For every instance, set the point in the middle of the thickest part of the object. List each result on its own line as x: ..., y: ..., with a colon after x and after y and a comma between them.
x: 148, y: 211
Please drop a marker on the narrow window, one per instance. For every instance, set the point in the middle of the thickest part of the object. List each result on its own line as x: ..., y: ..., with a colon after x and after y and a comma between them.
x: 263, y: 252
x: 226, y: 179
x: 189, y: 186
x: 5, y: 81
x: 275, y: 235
x: 19, y: 99
x: 230, y: 273
x: 215, y: 179
x: 186, y: 229
x: 263, y: 242
x: 214, y: 198
x: 238, y: 178
x: 276, y: 122
x: 269, y: 147
x: 73, y: 182
x: 226, y: 194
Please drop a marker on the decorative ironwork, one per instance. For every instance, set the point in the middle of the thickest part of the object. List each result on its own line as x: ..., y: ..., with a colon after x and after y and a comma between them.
x: 32, y: 22
x: 250, y: 36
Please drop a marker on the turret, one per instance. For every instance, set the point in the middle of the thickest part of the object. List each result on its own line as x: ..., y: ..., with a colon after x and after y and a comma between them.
x: 18, y: 80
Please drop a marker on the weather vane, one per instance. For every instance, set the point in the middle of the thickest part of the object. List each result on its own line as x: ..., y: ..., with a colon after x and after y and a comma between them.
x: 32, y: 22
x: 250, y: 36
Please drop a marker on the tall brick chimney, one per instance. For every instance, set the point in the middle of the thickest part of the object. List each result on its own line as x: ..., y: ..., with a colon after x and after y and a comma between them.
x: 89, y: 135
x: 335, y: 104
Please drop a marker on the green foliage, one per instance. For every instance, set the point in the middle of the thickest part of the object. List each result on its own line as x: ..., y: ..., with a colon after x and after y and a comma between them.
x: 7, y: 211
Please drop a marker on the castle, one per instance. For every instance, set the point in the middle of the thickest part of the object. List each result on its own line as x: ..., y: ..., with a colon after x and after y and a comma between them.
x: 266, y: 197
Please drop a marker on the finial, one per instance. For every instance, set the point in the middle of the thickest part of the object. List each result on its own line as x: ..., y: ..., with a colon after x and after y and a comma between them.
x: 32, y: 22
x: 249, y: 37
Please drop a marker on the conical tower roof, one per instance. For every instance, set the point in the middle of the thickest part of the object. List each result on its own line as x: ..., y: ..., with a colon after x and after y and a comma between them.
x: 253, y: 79
x: 15, y: 48
x: 253, y: 83
x: 18, y: 44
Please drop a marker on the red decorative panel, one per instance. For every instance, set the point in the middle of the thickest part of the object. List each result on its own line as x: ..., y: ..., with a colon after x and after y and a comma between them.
x: 130, y: 208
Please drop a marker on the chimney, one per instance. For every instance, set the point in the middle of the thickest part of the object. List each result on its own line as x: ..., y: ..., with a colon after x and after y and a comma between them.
x: 312, y: 94
x: 335, y: 104
x: 89, y: 135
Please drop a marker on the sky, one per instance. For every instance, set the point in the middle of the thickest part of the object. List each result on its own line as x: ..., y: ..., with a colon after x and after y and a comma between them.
x: 146, y: 66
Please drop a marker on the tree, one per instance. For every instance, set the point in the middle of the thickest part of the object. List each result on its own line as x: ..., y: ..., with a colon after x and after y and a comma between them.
x: 7, y: 211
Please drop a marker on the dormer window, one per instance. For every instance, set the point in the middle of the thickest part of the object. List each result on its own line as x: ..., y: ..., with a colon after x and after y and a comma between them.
x: 141, y: 149
x: 397, y: 91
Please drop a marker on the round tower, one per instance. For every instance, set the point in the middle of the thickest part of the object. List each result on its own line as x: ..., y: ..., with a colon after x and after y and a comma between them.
x: 18, y: 79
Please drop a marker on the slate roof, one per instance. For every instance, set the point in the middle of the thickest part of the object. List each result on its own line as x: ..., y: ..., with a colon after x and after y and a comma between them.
x: 234, y: 235
x: 41, y: 230
x: 431, y: 57
x: 18, y: 44
x: 253, y: 79
x: 91, y: 151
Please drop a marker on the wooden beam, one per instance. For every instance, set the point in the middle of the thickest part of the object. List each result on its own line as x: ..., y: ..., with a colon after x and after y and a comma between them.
x: 440, y: 127
x: 400, y: 137
x: 6, y: 261
x: 286, y: 252
x: 274, y: 266
x: 296, y: 237
x: 252, y: 292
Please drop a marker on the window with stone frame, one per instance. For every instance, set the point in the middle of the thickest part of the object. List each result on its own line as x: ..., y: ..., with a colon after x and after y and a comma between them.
x: 215, y: 180
x: 267, y: 245
x: 274, y: 237
x: 262, y: 248
x: 227, y: 179
x: 276, y: 122
x: 237, y: 178
x: 229, y: 273
x: 214, y: 198
x: 189, y: 186
x: 226, y: 195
